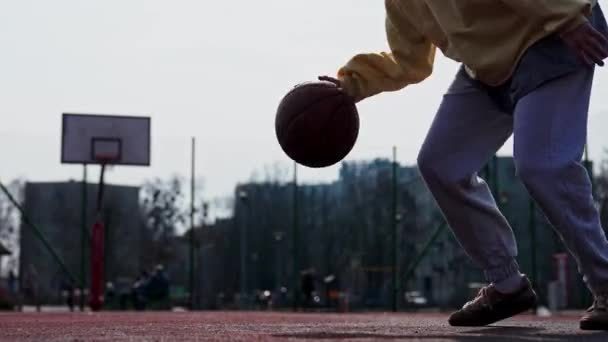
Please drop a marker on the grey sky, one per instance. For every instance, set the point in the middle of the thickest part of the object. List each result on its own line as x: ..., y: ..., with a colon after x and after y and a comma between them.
x: 211, y: 69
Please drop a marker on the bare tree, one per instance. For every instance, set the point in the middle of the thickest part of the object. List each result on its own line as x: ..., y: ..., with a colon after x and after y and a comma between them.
x: 164, y: 207
x: 165, y: 213
x: 601, y: 189
x: 9, y: 222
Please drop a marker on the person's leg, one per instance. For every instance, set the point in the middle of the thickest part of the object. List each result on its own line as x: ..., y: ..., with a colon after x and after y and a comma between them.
x: 468, y: 129
x: 550, y: 136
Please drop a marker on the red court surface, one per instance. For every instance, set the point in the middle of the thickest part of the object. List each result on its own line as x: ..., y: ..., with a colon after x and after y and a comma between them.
x: 276, y: 326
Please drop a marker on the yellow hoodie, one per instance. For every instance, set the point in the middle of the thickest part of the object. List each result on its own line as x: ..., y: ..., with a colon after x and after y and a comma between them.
x: 487, y: 36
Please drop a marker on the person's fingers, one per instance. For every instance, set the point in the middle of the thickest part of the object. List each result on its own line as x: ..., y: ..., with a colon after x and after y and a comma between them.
x: 577, y: 46
x: 593, y: 51
x: 594, y: 44
x: 329, y: 79
x: 590, y: 45
x: 599, y: 47
x: 335, y: 81
x: 585, y: 58
x: 601, y: 38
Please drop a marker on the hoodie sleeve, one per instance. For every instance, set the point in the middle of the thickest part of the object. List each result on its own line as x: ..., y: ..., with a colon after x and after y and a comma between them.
x: 559, y: 15
x: 409, y: 61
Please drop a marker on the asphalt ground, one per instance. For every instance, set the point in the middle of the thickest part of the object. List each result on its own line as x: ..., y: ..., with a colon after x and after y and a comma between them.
x: 279, y: 326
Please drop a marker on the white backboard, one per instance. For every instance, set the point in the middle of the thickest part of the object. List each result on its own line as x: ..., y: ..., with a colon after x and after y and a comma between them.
x: 87, y: 139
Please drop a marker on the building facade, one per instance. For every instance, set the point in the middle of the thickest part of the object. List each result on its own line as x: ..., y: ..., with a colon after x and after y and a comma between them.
x: 56, y: 209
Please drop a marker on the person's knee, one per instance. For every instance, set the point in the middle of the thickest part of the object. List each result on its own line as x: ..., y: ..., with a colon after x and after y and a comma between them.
x: 428, y: 165
x: 435, y: 168
x: 531, y: 173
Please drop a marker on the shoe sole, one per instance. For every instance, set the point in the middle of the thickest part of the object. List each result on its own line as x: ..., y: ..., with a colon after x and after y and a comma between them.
x: 524, y: 304
x: 591, y: 325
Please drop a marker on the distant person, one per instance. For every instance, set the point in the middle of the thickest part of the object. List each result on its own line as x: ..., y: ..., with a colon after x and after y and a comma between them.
x: 67, y: 293
x: 30, y: 286
x: 283, y: 296
x: 258, y: 300
x: 109, y: 294
x: 308, y: 287
x: 527, y: 70
x: 12, y: 283
x: 123, y: 292
x: 138, y: 291
x: 80, y: 297
x: 158, y: 286
x: 332, y: 288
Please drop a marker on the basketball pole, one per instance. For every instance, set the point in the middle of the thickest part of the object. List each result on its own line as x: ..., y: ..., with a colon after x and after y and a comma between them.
x: 97, y: 247
x: 192, y: 242
x: 83, y: 237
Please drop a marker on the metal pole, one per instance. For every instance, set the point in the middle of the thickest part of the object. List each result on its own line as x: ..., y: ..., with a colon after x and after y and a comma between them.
x: 38, y: 233
x: 487, y: 175
x: 98, y: 248
x: 242, y: 220
x: 295, y: 237
x: 395, y: 261
x: 101, y: 191
x: 243, y: 250
x: 328, y: 245
x: 83, y: 237
x: 192, y: 242
x: 107, y: 245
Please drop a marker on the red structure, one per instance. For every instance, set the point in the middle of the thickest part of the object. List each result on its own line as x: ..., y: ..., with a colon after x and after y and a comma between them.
x: 97, y: 269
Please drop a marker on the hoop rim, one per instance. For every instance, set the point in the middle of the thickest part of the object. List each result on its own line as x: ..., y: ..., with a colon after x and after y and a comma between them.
x: 106, y: 158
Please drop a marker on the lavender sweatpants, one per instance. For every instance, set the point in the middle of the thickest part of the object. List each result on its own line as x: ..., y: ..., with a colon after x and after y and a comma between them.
x: 550, y: 127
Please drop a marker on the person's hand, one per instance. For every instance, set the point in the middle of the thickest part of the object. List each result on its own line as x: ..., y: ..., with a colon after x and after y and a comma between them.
x: 590, y: 45
x: 338, y: 84
x: 332, y: 80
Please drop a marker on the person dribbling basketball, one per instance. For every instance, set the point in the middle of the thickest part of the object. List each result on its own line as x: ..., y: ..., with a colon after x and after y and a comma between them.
x: 527, y: 70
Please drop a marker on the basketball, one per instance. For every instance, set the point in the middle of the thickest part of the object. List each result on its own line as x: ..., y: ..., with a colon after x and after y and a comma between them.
x: 317, y: 124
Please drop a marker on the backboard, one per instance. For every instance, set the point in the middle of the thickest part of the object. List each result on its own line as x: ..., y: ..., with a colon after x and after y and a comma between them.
x: 99, y: 139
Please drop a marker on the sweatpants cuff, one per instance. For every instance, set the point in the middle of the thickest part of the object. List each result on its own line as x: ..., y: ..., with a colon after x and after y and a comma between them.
x: 497, y: 274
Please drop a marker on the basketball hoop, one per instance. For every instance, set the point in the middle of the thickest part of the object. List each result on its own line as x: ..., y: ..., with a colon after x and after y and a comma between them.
x: 105, y: 140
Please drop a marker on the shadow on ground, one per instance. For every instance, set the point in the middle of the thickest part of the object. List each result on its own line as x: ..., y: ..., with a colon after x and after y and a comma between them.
x: 496, y: 333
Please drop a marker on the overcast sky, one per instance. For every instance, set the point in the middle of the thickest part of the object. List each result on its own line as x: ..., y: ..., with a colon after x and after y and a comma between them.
x: 215, y: 70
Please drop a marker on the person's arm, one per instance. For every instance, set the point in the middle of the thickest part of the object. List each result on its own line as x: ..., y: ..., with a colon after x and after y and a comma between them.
x: 410, y: 60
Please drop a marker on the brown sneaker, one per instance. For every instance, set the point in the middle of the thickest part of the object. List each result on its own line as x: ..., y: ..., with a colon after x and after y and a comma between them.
x: 596, y: 317
x: 491, y: 306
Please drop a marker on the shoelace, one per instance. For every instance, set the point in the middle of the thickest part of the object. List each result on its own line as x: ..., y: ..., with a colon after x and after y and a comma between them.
x: 600, y: 303
x: 481, y: 296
